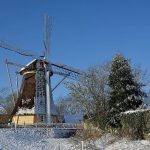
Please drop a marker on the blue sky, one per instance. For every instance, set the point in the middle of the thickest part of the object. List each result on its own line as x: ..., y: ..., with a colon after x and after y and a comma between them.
x: 85, y: 32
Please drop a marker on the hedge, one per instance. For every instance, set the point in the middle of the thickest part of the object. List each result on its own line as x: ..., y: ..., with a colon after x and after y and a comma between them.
x: 136, y: 124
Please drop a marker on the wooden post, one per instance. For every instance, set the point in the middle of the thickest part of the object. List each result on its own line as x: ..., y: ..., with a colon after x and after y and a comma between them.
x: 24, y: 124
x: 17, y: 119
x: 17, y: 84
x: 11, y: 86
x: 47, y: 130
x: 60, y: 146
x: 15, y: 126
x: 82, y: 145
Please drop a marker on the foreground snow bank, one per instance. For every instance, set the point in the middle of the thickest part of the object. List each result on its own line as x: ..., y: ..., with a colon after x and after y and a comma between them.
x: 129, y: 145
x: 29, y: 140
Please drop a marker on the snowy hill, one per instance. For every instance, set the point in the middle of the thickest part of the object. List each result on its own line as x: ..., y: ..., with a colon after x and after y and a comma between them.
x: 25, y: 139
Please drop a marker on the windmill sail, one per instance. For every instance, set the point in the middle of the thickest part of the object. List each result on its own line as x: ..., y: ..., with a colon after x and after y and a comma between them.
x: 6, y: 46
x: 47, y: 34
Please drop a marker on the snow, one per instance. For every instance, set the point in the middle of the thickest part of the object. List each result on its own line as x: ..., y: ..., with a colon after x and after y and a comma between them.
x: 28, y: 139
x: 28, y: 64
x: 129, y: 145
x: 22, y: 111
x: 135, y: 111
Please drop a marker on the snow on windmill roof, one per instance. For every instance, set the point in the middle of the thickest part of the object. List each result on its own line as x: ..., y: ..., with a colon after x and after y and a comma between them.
x: 28, y: 64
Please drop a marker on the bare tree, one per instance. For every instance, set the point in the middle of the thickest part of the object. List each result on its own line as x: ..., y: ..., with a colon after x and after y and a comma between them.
x: 6, y: 99
x: 65, y: 106
x: 91, y: 91
x: 4, y: 92
x: 142, y: 76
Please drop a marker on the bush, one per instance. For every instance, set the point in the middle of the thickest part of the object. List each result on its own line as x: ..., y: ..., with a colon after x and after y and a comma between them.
x: 135, y: 124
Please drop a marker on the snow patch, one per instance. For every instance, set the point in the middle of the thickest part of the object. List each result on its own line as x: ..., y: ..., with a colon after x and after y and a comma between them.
x: 28, y: 139
x: 135, y: 111
x: 23, y: 111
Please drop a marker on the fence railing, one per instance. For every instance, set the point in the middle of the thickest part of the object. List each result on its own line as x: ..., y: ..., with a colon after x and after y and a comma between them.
x: 78, y: 126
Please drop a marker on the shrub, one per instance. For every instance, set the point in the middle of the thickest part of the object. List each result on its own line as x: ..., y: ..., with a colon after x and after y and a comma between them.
x: 135, y: 124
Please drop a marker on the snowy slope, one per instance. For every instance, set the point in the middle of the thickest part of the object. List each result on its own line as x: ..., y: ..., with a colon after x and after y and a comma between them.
x: 25, y: 139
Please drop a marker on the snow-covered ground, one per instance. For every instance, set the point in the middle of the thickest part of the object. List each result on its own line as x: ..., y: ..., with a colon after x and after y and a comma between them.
x: 26, y: 139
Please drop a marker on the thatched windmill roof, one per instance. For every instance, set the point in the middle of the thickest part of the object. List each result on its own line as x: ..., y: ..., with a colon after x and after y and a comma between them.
x: 27, y: 90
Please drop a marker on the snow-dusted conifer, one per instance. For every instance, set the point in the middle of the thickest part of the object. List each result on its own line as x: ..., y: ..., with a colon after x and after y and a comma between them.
x: 126, y: 93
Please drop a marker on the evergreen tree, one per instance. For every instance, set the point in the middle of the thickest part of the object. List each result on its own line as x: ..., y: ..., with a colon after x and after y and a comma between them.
x: 126, y: 93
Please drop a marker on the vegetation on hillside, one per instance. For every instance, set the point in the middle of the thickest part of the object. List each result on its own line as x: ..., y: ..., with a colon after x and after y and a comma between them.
x: 108, y: 90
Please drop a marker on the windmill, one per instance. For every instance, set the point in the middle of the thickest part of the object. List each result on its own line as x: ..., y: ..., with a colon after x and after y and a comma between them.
x: 40, y: 70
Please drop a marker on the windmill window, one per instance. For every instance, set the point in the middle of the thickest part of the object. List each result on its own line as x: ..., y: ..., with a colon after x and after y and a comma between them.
x: 42, y: 118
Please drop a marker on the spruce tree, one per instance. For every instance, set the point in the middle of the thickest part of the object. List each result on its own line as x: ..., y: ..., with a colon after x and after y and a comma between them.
x: 126, y: 93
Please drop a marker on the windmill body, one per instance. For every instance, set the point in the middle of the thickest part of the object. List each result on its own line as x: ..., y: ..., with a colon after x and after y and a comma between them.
x: 38, y: 74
